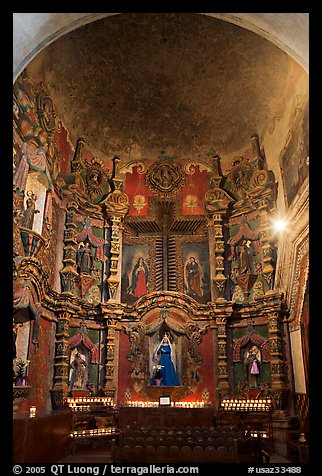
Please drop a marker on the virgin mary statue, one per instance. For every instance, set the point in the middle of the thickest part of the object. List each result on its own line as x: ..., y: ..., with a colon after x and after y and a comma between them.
x: 166, y: 370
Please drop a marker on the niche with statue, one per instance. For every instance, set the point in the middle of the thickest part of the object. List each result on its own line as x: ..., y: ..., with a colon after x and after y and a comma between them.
x: 164, y: 353
x: 83, y: 363
x: 251, y: 359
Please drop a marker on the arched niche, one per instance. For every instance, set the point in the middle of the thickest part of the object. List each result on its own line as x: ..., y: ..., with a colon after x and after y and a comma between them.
x: 38, y: 184
x: 26, y: 308
x: 185, y: 336
x: 82, y: 354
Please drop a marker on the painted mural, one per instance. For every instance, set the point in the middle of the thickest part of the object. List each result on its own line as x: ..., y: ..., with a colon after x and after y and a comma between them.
x: 135, y: 272
x: 196, y: 271
x: 294, y: 162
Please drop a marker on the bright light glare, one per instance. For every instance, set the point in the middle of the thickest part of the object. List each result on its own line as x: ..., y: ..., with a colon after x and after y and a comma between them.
x: 280, y: 225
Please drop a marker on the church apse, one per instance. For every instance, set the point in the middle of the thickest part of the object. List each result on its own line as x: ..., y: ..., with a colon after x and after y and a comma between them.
x: 142, y: 249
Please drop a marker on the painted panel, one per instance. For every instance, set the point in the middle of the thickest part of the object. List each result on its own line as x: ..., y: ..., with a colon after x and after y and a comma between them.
x: 194, y: 191
x: 135, y: 272
x: 294, y: 160
x: 137, y: 192
x: 196, y: 271
x: 40, y: 365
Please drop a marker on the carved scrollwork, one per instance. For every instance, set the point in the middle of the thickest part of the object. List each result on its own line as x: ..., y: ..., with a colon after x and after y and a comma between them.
x: 46, y: 113
x: 216, y: 199
x: 165, y: 179
x: 117, y: 203
x: 258, y: 179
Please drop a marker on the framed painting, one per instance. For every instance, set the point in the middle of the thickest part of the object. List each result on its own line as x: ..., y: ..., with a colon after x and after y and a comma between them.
x: 196, y: 271
x: 138, y: 276
x: 294, y: 161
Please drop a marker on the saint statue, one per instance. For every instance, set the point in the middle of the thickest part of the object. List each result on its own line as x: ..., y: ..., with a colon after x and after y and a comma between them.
x: 252, y: 366
x: 244, y: 259
x: 29, y: 213
x: 85, y: 259
x: 166, y: 370
x: 78, y: 374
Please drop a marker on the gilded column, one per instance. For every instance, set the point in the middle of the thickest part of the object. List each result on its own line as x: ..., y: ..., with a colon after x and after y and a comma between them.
x: 219, y: 279
x: 268, y: 269
x: 60, y: 388
x: 223, y: 385
x: 110, y: 365
x: 116, y: 206
x: 69, y: 271
x: 277, y: 361
x: 212, y: 256
x: 221, y: 313
x: 112, y: 316
x: 216, y: 203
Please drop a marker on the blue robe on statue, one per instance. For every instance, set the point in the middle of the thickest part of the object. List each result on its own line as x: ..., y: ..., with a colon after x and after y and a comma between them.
x: 168, y: 373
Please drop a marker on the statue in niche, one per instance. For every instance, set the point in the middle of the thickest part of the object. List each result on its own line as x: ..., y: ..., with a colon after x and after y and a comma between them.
x: 79, y: 372
x: 244, y: 258
x: 85, y: 259
x: 135, y: 335
x: 165, y: 370
x: 252, y: 361
x: 27, y: 220
x: 195, y: 336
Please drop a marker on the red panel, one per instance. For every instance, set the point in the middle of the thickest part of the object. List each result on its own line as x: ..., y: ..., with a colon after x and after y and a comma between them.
x: 39, y: 367
x: 64, y: 148
x: 194, y: 191
x: 137, y: 192
x: 125, y: 367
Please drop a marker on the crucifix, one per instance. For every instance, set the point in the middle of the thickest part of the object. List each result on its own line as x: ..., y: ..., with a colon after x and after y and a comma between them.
x: 168, y: 228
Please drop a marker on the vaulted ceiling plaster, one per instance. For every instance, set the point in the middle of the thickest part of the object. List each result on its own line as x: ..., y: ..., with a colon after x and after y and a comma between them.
x: 136, y: 84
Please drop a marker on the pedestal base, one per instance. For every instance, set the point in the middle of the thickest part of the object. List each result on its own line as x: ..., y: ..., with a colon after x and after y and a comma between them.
x: 154, y: 392
x: 79, y: 393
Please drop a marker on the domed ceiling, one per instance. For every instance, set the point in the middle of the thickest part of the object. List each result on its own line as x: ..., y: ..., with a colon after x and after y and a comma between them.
x: 134, y: 85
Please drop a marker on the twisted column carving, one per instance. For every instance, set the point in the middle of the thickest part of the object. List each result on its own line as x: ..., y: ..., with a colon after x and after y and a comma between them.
x: 69, y: 272
x: 268, y: 269
x: 277, y: 362
x: 223, y: 385
x: 60, y: 388
x: 111, y: 359
x: 219, y: 279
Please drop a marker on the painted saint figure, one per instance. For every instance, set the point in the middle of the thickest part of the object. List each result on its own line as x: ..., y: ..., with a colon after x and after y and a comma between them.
x: 29, y: 213
x: 140, y: 276
x: 168, y: 373
x: 193, y: 278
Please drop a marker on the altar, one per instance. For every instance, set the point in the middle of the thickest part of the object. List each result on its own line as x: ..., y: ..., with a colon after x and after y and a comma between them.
x: 131, y: 418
